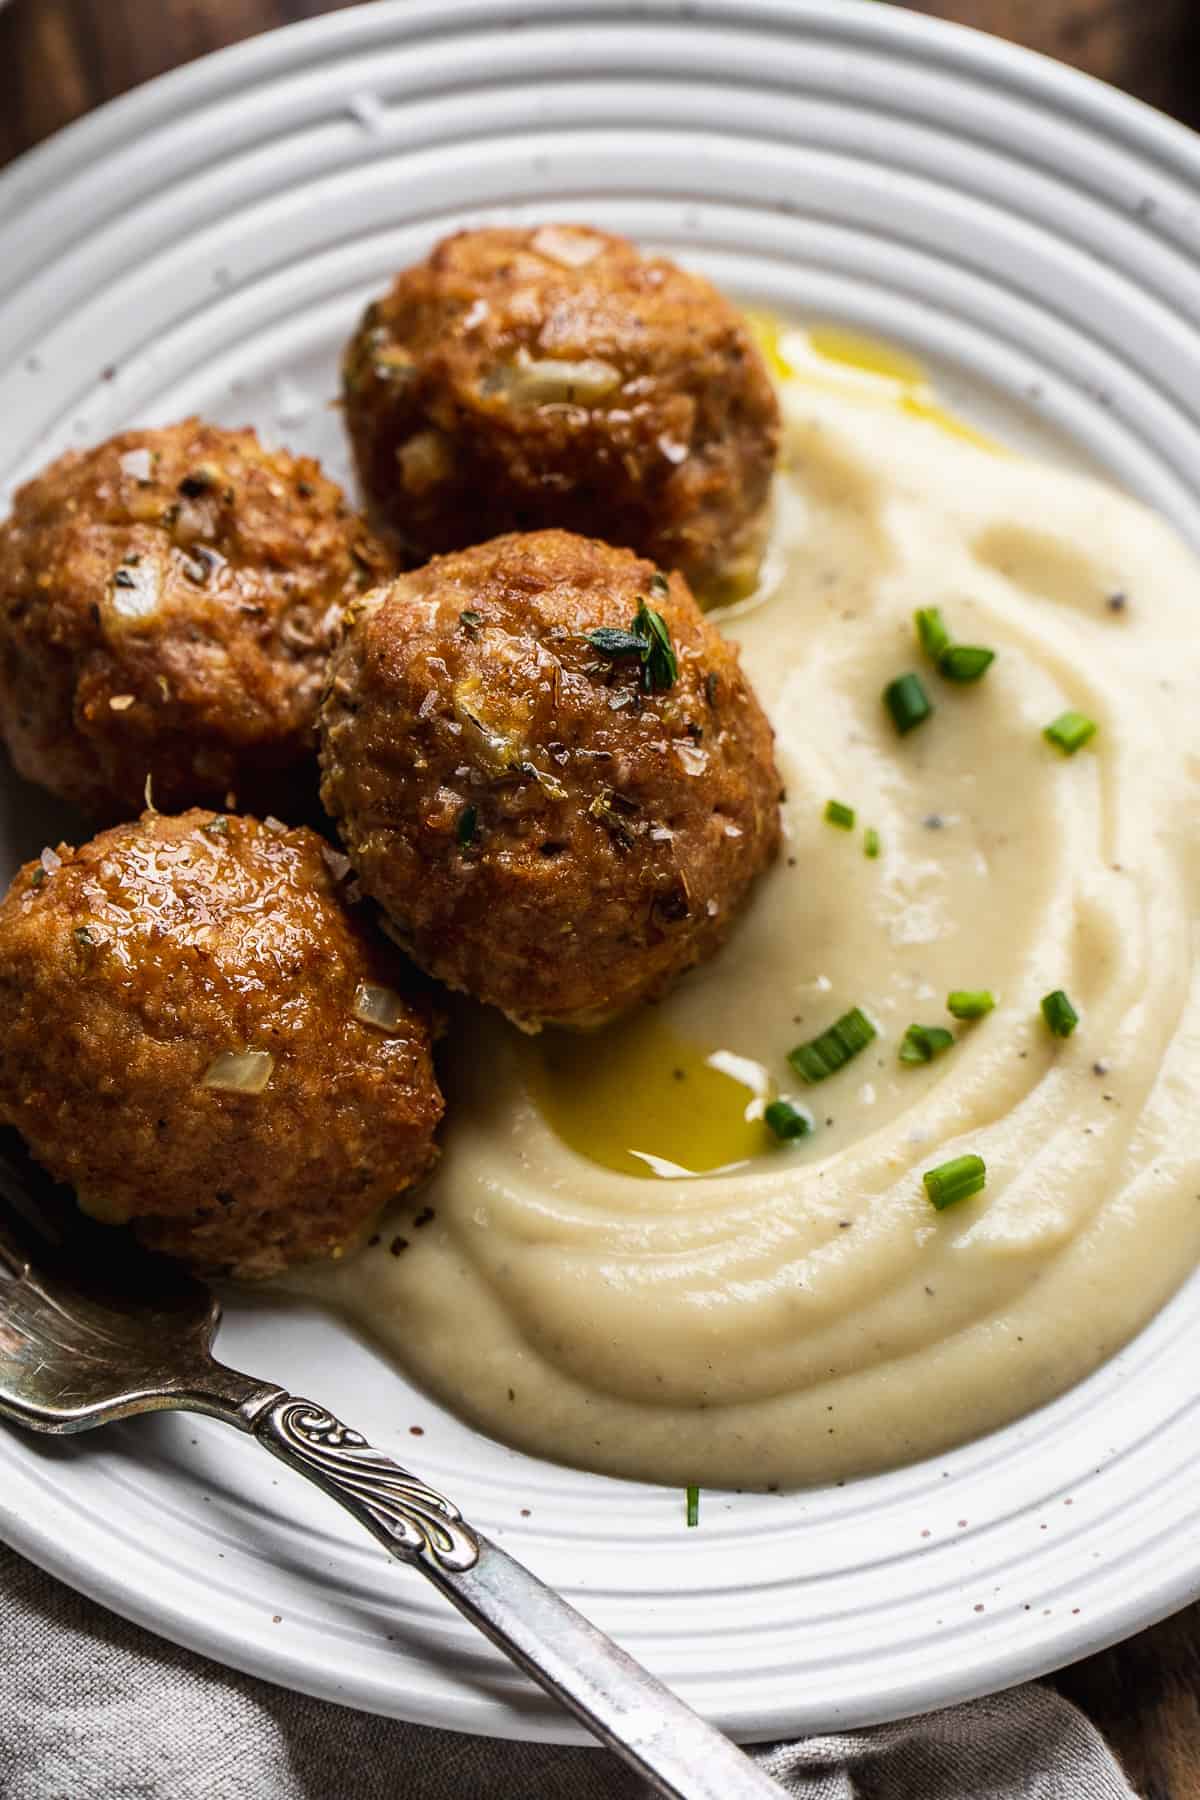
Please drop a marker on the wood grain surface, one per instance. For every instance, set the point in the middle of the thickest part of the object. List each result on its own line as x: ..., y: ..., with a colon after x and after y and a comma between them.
x: 60, y: 58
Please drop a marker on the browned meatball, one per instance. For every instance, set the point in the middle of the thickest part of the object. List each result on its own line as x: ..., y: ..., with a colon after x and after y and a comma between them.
x: 167, y: 602
x: 202, y: 1039
x: 556, y: 828
x: 520, y: 379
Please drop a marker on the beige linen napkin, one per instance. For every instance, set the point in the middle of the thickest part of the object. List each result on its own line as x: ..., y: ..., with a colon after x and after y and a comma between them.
x: 94, y: 1709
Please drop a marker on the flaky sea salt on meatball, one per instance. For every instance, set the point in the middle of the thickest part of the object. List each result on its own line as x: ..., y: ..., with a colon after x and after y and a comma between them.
x: 201, y: 1038
x: 550, y: 770
x: 557, y: 377
x: 167, y: 602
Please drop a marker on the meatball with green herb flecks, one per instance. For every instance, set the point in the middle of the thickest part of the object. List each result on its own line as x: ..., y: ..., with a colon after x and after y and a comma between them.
x: 167, y: 603
x: 550, y: 771
x: 557, y: 376
x: 207, y: 1042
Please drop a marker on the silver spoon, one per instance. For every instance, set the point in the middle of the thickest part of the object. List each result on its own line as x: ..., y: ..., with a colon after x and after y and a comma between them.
x: 134, y: 1333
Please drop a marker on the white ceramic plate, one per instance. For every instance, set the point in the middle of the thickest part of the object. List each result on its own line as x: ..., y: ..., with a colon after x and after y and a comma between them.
x: 207, y: 244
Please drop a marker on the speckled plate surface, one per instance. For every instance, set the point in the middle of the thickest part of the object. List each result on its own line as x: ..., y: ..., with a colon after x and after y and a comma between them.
x: 206, y: 244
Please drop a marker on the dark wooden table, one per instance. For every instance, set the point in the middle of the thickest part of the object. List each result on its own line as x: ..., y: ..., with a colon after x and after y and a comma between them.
x: 60, y: 58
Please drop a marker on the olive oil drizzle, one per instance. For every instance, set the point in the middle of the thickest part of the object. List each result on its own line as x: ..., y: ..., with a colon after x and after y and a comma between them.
x: 638, y: 1098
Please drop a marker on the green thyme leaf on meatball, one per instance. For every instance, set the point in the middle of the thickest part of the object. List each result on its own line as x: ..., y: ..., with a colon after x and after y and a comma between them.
x: 648, y: 639
x: 610, y: 640
x: 660, y: 667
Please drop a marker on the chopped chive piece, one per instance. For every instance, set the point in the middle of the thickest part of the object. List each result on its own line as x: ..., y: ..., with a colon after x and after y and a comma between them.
x: 965, y: 662
x: 871, y: 842
x: 787, y: 1121
x: 921, y: 1043
x: 825, y: 1055
x: 1070, y: 732
x: 932, y: 634
x: 468, y: 818
x: 957, y: 662
x: 907, y: 702
x: 955, y: 1180
x: 470, y: 620
x: 838, y: 814
x: 693, y: 1506
x: 970, y: 1003
x: 1059, y: 1014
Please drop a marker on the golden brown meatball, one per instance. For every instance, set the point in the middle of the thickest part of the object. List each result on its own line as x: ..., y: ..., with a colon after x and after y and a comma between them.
x: 167, y: 602
x: 202, y: 1039
x: 557, y: 828
x: 520, y: 379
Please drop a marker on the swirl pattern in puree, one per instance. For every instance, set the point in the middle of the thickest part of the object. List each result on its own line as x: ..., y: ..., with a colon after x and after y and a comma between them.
x: 786, y: 1315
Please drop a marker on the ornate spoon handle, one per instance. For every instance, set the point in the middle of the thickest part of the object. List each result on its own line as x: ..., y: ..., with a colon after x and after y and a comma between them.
x: 624, y: 1705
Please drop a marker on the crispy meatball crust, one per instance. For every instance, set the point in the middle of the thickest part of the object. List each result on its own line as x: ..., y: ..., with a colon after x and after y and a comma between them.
x: 130, y: 965
x: 544, y: 834
x: 556, y: 377
x: 167, y: 602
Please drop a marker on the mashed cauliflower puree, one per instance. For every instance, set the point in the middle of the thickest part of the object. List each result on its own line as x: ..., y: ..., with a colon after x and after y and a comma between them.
x: 616, y: 1266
